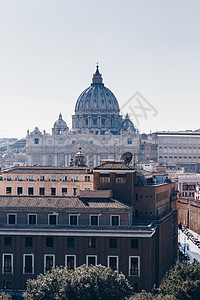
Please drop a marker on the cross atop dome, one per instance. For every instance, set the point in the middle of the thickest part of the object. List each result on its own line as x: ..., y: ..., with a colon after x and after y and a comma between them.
x: 97, y: 78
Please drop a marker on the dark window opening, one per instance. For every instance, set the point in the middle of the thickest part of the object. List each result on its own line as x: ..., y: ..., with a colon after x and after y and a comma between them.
x: 49, y: 242
x: 70, y: 242
x: 52, y: 219
x: 91, y: 243
x: 32, y: 219
x: 19, y: 190
x: 73, y: 220
x: 8, y: 190
x: 28, y: 264
x: 113, y: 243
x: 7, y: 241
x: 134, y: 243
x: 42, y: 191
x: 94, y: 220
x: 53, y: 191
x: 28, y: 241
x: 30, y: 191
x: 12, y: 219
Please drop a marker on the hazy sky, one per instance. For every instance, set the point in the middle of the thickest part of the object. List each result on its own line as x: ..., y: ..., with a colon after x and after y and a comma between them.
x: 49, y: 50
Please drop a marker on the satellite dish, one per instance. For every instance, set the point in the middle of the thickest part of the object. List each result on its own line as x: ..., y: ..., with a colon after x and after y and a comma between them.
x: 127, y: 157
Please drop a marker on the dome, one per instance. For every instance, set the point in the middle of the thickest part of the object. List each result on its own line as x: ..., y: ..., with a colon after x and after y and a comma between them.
x: 60, y: 125
x: 97, y: 109
x: 127, y: 123
x: 97, y: 98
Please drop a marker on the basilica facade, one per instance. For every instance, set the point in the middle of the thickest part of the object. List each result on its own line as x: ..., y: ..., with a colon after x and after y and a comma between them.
x: 97, y: 128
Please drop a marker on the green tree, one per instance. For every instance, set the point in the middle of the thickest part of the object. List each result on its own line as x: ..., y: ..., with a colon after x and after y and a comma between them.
x: 84, y: 283
x: 182, y: 282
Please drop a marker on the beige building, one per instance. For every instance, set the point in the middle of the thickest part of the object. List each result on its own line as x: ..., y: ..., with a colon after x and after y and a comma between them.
x: 45, y: 181
x: 181, y: 148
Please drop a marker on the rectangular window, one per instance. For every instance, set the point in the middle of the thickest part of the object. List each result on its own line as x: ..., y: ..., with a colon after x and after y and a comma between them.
x: 42, y: 191
x: 7, y: 241
x: 49, y: 262
x: 113, y: 243
x: 104, y: 178
x: 8, y: 190
x: 73, y: 219
x: 19, y: 190
x: 53, y: 219
x: 91, y: 243
x: 64, y: 191
x: 19, y: 177
x: 70, y: 242
x: 32, y: 219
x: 74, y: 191
x: 53, y: 191
x: 41, y: 178
x: 115, y: 220
x: 28, y: 263
x: 7, y: 264
x: 53, y: 178
x: 9, y: 178
x: 70, y: 261
x: 134, y: 266
x: 28, y: 241
x: 120, y: 178
x: 7, y: 284
x: 134, y: 243
x: 12, y: 219
x: 30, y: 191
x: 36, y: 141
x: 91, y: 260
x: 30, y: 178
x: 75, y: 178
x: 49, y: 242
x: 64, y: 178
x: 94, y: 220
x: 87, y: 178
x: 113, y: 262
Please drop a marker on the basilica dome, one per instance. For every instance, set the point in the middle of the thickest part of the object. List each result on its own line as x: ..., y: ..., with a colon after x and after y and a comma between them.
x: 97, y: 97
x: 97, y: 109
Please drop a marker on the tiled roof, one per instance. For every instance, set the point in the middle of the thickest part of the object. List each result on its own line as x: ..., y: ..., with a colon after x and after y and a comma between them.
x: 114, y: 165
x: 48, y: 170
x: 59, y: 202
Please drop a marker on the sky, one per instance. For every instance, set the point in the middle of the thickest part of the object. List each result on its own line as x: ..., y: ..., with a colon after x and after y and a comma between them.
x: 148, y: 53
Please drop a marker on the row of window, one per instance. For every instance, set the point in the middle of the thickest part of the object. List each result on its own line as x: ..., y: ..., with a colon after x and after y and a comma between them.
x: 70, y: 263
x: 43, y: 178
x: 180, y: 158
x: 42, y: 191
x: 180, y: 148
x: 53, y: 219
x: 119, y: 178
x: 28, y: 242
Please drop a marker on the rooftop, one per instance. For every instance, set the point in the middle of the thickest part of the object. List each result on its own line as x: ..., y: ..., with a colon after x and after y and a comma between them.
x: 47, y: 170
x: 114, y: 165
x: 60, y: 202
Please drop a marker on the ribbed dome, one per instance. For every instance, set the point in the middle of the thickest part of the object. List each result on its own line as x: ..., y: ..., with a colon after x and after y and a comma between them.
x: 97, y: 98
x: 127, y: 123
x: 60, y: 125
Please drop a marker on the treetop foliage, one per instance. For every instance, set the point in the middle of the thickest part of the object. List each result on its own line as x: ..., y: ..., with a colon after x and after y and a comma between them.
x: 83, y: 283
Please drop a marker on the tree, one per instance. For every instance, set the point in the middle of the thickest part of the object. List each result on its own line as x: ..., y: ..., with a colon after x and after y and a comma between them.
x: 84, y: 283
x: 4, y: 296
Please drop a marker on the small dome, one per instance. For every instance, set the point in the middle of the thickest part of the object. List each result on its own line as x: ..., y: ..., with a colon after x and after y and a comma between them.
x: 60, y: 125
x: 127, y: 123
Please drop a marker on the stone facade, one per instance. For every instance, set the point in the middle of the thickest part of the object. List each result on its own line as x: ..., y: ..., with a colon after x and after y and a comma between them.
x: 97, y: 127
x: 181, y: 148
